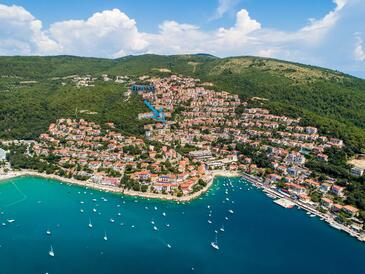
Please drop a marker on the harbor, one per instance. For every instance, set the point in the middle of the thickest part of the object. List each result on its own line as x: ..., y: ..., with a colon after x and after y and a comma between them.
x: 113, y: 231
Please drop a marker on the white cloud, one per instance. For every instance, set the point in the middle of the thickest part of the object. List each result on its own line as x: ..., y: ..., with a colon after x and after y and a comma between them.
x: 111, y: 33
x: 359, y: 52
x: 223, y: 7
x: 21, y: 33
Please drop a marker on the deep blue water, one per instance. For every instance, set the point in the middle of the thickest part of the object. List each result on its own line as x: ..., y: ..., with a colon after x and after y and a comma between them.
x: 260, y: 237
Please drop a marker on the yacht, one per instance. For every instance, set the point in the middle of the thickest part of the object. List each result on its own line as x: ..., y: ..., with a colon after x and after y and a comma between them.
x: 215, y: 243
x: 51, y: 252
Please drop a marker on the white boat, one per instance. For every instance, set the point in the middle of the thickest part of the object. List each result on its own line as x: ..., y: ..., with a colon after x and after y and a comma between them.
x: 112, y: 220
x: 168, y: 225
x: 209, y: 221
x: 152, y: 222
x: 231, y: 211
x: 11, y: 221
x: 81, y: 210
x: 312, y: 215
x: 48, y: 232
x: 226, y: 218
x: 90, y: 224
x: 222, y: 228
x: 105, y: 237
x: 168, y: 245
x: 215, y: 243
x: 164, y: 214
x: 155, y: 207
x: 51, y: 252
x: 155, y: 228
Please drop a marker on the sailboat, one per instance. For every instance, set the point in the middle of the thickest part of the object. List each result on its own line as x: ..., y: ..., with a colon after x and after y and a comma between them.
x: 51, y: 252
x: 90, y: 224
x: 105, y: 237
x: 215, y: 243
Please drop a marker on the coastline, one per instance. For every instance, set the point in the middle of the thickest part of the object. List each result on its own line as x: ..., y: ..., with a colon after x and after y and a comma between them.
x: 111, y: 189
x: 255, y: 181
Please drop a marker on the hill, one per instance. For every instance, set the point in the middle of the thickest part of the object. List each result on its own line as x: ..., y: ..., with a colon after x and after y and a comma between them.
x: 333, y: 101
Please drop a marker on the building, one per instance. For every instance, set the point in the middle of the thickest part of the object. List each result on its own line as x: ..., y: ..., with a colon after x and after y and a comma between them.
x: 2, y: 155
x: 357, y: 171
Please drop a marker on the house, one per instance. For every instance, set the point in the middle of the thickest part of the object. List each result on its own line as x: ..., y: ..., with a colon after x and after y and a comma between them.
x: 338, y: 190
x: 357, y: 171
x: 296, y: 189
x: 2, y: 155
x: 325, y: 202
x: 325, y: 187
x: 352, y: 211
x: 336, y: 208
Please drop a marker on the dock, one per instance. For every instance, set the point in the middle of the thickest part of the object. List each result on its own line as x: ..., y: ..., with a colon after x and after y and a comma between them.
x: 284, y: 203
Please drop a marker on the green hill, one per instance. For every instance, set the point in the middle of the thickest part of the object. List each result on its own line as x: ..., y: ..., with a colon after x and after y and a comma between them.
x: 333, y: 101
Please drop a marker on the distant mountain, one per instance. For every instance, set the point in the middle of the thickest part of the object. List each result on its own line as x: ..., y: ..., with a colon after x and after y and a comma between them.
x: 331, y: 100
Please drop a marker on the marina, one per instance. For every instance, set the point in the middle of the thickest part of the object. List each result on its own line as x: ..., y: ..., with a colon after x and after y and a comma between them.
x: 183, y: 233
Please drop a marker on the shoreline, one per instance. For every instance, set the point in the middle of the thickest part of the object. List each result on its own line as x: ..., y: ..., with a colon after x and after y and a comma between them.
x: 116, y: 190
x: 255, y: 181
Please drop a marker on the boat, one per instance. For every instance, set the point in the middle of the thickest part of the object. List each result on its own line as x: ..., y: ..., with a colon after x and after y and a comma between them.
x: 222, y: 228
x: 155, y: 228
x: 51, y: 252
x: 231, y: 211
x: 81, y: 210
x: 90, y: 224
x: 155, y: 207
x: 168, y: 245
x: 48, y: 232
x: 209, y: 221
x: 168, y: 225
x: 312, y: 215
x: 94, y: 209
x: 226, y: 218
x: 105, y: 237
x: 215, y: 243
x: 112, y: 220
x: 164, y: 214
x: 11, y: 221
x: 152, y: 222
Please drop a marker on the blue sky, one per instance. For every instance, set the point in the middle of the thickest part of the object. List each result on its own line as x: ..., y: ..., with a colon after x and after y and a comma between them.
x: 328, y: 33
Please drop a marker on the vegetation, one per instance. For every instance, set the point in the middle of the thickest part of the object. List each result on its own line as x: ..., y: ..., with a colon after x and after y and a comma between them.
x: 333, y: 101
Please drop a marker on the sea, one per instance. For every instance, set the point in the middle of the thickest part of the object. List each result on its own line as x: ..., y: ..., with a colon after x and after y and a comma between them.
x: 91, y: 231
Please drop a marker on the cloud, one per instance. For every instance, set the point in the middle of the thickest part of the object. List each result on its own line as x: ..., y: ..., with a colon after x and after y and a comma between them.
x: 223, y: 7
x: 359, y: 52
x: 21, y: 33
x: 112, y: 33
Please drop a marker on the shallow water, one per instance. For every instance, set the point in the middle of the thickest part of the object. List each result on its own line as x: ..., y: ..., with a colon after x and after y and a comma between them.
x: 260, y: 237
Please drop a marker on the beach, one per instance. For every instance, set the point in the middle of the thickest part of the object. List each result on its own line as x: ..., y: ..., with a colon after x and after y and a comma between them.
x: 106, y: 188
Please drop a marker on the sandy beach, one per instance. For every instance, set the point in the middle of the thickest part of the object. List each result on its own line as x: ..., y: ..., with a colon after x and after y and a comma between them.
x: 149, y: 195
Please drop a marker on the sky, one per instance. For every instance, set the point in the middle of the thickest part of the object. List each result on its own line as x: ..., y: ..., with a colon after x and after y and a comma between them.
x: 327, y: 33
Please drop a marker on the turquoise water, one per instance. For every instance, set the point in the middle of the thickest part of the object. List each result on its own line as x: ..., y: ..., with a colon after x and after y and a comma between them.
x: 260, y: 237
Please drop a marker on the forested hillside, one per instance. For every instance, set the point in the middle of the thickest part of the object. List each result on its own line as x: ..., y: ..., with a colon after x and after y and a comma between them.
x: 333, y: 101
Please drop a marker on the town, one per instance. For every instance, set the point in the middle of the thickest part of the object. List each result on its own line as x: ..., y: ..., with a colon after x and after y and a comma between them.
x: 192, y: 134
